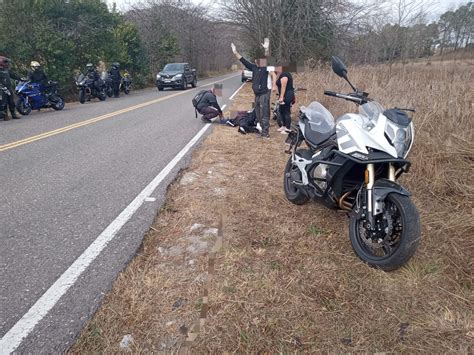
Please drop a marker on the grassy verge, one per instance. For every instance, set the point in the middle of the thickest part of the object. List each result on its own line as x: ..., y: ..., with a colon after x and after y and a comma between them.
x: 286, y: 278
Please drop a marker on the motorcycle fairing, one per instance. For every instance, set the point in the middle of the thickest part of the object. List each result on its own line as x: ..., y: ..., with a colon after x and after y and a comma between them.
x: 31, y: 94
x: 356, y: 133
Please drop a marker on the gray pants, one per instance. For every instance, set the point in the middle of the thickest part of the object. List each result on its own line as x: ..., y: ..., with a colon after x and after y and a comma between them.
x: 262, y: 111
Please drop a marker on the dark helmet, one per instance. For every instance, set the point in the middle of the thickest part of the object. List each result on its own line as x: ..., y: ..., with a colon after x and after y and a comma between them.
x: 4, y: 62
x: 115, y: 65
x: 89, y: 66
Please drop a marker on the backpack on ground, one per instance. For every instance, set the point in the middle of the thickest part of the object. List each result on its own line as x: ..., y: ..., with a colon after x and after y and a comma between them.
x: 197, y: 99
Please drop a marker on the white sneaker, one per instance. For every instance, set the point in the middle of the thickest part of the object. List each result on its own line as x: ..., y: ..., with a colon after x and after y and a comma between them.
x: 259, y: 128
x: 281, y: 129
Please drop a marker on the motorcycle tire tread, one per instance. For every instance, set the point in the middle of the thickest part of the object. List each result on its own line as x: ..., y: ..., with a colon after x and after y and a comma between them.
x: 410, y: 237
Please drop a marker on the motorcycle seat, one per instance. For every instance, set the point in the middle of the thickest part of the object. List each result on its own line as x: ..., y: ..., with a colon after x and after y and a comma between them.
x: 316, y: 138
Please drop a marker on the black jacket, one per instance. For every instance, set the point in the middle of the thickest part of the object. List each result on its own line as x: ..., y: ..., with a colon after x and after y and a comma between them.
x: 38, y: 76
x: 115, y: 74
x: 209, y: 99
x: 93, y: 74
x: 6, y: 77
x: 259, y: 78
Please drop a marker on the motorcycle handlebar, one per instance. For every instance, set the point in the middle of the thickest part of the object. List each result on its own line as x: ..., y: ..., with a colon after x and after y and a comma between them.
x: 330, y: 93
x: 355, y: 99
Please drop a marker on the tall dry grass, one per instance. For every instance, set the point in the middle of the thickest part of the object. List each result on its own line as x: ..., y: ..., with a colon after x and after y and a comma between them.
x: 287, y: 279
x: 442, y: 174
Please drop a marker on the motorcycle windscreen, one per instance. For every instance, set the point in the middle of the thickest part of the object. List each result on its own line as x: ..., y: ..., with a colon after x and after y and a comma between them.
x: 320, y: 119
x: 80, y: 78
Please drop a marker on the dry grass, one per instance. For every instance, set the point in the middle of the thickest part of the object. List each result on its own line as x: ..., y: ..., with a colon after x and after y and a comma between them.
x: 287, y: 279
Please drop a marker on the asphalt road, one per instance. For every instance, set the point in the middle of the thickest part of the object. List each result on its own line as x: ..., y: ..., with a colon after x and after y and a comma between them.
x: 61, y: 187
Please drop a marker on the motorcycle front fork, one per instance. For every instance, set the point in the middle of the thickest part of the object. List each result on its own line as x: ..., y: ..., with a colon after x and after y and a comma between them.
x: 369, y: 183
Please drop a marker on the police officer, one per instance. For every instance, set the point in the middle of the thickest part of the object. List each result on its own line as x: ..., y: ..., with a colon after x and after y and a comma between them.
x: 5, y: 79
x: 114, y: 73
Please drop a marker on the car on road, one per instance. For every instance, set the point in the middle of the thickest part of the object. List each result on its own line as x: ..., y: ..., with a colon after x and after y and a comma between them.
x: 176, y: 75
x: 246, y: 75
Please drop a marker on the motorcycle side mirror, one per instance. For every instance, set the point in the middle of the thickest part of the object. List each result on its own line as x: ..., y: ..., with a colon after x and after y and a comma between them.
x: 341, y: 70
x: 339, y: 67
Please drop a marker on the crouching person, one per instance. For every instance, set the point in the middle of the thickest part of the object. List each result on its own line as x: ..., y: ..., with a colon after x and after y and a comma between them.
x: 205, y: 102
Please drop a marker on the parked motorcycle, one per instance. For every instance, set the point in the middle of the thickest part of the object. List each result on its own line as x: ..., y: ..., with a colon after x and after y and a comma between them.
x: 353, y: 164
x: 4, y: 93
x: 32, y: 96
x: 276, y: 115
x: 88, y: 90
x: 109, y: 88
x: 126, y: 84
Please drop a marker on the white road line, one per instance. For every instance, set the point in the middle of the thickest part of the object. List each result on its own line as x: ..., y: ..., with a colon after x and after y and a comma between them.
x: 235, y: 93
x: 13, y: 338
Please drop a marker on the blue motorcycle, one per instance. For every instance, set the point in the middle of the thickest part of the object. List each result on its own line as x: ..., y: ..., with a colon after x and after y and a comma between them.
x: 31, y: 96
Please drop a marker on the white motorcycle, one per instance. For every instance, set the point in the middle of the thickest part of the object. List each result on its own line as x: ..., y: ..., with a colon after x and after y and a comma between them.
x: 353, y: 164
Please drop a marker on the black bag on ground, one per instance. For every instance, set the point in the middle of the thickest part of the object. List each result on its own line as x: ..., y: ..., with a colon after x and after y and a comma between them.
x: 197, y: 99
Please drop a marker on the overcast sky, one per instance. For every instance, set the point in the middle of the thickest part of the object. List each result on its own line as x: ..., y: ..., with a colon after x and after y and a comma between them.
x: 435, y: 7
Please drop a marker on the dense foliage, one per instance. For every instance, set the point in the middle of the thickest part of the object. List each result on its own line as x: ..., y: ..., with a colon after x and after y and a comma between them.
x: 64, y: 35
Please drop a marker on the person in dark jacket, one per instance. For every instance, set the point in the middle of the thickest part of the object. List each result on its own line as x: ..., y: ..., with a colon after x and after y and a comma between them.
x: 286, y: 94
x: 208, y: 107
x: 6, y: 75
x: 93, y: 73
x: 114, y: 73
x: 262, y: 87
x: 37, y: 75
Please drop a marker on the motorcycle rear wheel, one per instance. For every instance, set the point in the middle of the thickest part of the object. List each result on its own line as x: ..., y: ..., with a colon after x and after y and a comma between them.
x: 293, y: 193
x: 57, y: 103
x: 404, y: 239
x: 22, y: 108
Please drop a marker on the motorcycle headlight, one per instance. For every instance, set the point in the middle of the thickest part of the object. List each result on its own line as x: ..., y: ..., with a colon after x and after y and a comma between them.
x: 400, y: 137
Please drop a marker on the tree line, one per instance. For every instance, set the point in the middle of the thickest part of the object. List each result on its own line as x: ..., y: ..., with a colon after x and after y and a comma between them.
x: 361, y: 31
x: 64, y: 35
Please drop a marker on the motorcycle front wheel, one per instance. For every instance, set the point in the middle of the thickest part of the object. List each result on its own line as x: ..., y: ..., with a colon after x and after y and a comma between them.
x: 295, y: 194
x: 22, y: 107
x: 102, y: 96
x: 393, y: 240
x: 82, y: 96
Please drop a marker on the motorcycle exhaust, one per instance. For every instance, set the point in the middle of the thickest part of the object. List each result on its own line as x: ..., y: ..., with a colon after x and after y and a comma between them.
x: 344, y: 204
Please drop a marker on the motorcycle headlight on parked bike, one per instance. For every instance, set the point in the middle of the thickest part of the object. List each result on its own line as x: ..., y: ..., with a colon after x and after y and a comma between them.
x: 401, y: 137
